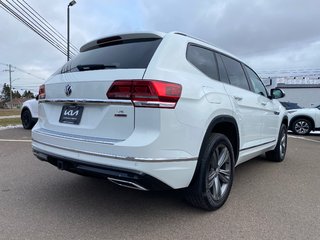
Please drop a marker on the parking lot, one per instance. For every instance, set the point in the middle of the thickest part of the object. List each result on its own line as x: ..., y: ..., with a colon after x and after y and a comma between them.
x: 268, y: 200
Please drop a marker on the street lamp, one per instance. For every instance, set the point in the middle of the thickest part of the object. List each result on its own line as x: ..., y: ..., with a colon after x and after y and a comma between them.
x: 73, y: 2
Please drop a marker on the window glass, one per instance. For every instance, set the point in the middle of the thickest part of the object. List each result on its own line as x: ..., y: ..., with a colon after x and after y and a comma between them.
x: 235, y: 72
x: 204, y: 60
x: 135, y: 53
x: 222, y: 70
x: 258, y: 86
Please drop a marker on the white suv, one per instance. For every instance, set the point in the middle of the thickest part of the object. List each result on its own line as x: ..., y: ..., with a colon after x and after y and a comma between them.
x: 304, y: 120
x: 155, y: 111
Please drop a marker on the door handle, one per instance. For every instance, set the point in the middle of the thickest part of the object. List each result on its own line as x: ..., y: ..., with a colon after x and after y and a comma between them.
x: 263, y: 103
x: 237, y: 98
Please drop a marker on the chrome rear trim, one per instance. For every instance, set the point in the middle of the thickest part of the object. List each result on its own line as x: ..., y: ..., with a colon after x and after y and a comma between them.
x: 127, y: 184
x: 86, y: 101
x: 76, y: 137
x: 124, y: 158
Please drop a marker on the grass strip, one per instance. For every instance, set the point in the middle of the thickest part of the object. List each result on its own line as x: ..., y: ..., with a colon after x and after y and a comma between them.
x: 10, y: 121
x: 9, y: 112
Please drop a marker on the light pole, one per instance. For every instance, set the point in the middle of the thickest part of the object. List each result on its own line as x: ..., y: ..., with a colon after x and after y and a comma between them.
x: 73, y: 2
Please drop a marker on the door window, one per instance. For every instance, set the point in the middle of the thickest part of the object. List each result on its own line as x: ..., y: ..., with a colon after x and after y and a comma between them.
x: 235, y: 72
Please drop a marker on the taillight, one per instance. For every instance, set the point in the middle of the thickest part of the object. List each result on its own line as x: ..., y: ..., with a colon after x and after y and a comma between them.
x: 146, y: 93
x: 42, y: 92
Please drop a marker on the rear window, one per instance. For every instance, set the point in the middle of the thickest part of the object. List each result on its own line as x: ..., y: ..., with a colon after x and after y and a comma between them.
x: 122, y: 54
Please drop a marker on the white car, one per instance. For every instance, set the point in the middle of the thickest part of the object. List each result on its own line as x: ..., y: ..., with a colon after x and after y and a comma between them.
x: 304, y: 120
x: 29, y: 113
x: 154, y: 111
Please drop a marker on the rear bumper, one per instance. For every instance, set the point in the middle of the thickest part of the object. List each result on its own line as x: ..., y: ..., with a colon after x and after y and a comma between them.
x: 147, y: 173
x: 123, y: 177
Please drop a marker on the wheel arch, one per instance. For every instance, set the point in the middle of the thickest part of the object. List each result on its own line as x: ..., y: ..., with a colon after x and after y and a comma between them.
x: 285, y: 121
x: 302, y: 117
x: 226, y: 125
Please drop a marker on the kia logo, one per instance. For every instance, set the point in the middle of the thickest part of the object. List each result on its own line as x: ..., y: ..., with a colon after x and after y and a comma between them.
x: 68, y: 90
x: 71, y: 113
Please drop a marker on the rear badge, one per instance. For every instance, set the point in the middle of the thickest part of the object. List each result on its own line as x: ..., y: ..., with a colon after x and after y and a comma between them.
x: 120, y: 114
x: 68, y: 90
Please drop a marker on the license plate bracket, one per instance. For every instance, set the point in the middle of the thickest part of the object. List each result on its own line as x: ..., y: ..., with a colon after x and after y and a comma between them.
x: 71, y: 114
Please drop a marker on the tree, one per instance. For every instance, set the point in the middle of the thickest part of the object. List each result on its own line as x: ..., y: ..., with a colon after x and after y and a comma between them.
x: 16, y: 94
x: 6, y: 92
x: 27, y: 94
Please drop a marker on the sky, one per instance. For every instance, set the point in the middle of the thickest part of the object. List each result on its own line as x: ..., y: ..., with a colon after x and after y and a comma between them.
x: 267, y: 34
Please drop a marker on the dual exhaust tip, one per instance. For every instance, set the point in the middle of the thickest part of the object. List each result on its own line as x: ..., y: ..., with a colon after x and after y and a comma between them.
x: 120, y: 182
x: 127, y: 184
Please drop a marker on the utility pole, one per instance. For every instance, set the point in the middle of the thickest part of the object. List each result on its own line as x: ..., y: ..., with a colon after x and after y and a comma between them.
x: 10, y: 85
x: 10, y: 71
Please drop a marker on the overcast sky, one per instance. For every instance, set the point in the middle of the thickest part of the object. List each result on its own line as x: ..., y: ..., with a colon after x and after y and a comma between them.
x: 266, y: 34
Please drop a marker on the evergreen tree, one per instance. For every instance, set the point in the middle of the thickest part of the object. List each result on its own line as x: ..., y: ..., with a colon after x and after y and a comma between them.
x: 6, y: 92
x: 27, y: 94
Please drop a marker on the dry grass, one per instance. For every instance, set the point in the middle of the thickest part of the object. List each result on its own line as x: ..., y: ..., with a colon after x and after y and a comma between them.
x: 9, y: 112
x: 10, y: 121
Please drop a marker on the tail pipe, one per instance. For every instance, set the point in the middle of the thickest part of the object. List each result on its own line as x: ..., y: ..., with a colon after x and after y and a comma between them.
x: 128, y: 184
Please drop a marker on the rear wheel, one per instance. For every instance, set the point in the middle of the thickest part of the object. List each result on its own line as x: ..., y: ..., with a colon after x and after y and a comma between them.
x: 301, y: 126
x: 279, y: 153
x: 26, y: 118
x: 212, y: 184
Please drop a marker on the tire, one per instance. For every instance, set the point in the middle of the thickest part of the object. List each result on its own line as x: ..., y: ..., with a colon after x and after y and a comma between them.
x: 301, y: 126
x: 211, y: 186
x: 26, y: 119
x: 279, y: 153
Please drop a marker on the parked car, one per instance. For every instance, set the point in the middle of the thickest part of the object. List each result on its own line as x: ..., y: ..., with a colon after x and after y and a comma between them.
x: 155, y: 111
x: 290, y: 105
x: 29, y: 113
x: 303, y: 121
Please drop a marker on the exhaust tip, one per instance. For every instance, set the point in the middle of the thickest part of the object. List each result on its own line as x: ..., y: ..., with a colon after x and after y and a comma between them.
x: 127, y: 184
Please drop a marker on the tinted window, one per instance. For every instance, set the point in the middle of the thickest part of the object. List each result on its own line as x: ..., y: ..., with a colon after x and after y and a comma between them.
x: 204, y: 60
x: 120, y: 54
x: 235, y: 72
x: 258, y: 86
x: 222, y: 70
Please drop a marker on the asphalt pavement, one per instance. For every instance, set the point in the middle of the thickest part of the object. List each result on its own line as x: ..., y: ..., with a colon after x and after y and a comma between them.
x: 268, y: 201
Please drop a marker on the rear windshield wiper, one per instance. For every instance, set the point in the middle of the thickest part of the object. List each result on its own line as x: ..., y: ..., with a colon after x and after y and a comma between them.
x: 88, y: 67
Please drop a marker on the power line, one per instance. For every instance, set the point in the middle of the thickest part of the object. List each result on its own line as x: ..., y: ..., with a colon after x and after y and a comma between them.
x: 35, y: 23
x: 23, y: 71
x: 33, y: 20
x: 17, y: 16
x: 51, y: 27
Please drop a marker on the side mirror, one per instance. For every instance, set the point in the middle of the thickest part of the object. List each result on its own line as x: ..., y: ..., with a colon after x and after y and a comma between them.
x: 37, y: 97
x: 277, y: 93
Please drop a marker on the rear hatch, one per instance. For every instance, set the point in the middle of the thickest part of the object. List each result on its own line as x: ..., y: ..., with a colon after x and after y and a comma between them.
x: 74, y: 101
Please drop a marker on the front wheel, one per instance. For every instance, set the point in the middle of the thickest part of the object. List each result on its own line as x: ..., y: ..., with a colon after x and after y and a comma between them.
x: 279, y: 153
x: 213, y: 181
x: 301, y: 126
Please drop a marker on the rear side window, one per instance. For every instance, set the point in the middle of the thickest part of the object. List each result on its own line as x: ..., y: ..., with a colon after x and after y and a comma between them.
x: 235, y: 72
x: 204, y: 60
x: 125, y: 54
